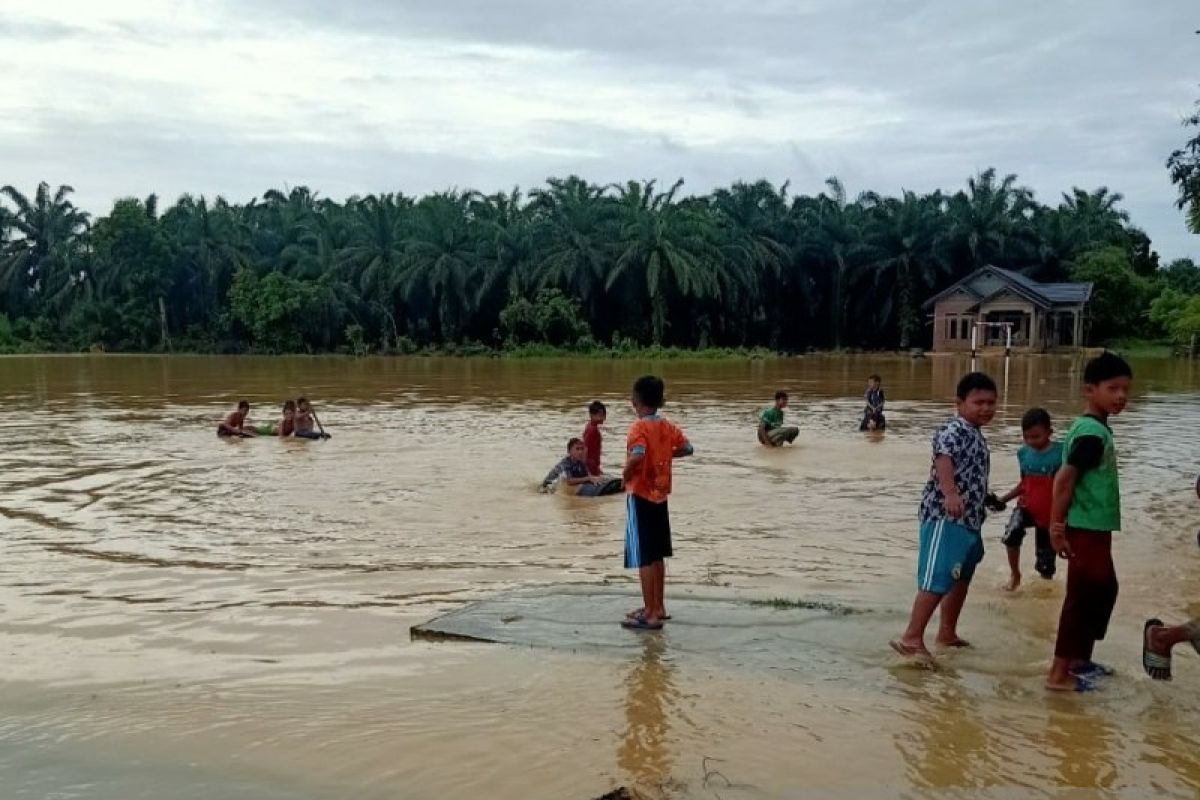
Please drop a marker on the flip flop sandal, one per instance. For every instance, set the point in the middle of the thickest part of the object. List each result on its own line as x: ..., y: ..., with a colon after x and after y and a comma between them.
x: 641, y: 612
x: 1092, y: 670
x: 1193, y: 629
x: 1156, y: 666
x: 1083, y: 684
x: 640, y: 623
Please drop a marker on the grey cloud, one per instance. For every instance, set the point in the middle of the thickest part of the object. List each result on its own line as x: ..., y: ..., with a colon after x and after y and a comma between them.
x: 1077, y: 92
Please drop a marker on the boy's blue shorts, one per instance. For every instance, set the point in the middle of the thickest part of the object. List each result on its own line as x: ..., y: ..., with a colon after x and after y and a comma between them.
x: 949, y: 552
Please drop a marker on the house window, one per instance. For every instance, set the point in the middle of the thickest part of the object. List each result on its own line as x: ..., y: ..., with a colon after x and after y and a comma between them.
x: 951, y: 327
x: 964, y: 328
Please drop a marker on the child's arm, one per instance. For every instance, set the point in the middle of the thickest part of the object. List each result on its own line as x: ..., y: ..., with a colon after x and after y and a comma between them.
x: 1017, y: 491
x: 632, y: 462
x: 944, y: 467
x: 1064, y: 491
x: 683, y: 448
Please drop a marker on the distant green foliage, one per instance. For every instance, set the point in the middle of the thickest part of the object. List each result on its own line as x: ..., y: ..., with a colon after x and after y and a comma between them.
x: 1120, y: 297
x: 550, y: 318
x: 1184, y: 165
x: 627, y: 269
x: 1178, y: 314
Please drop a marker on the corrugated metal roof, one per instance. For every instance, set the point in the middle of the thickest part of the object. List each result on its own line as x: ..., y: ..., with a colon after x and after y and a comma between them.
x: 1050, y: 294
x: 1066, y: 292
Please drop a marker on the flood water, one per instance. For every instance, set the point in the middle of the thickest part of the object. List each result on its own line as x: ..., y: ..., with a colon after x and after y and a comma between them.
x: 187, y: 617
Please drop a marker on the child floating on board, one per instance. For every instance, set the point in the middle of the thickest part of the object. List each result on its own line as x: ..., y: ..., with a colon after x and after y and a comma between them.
x: 1085, y: 510
x: 235, y: 422
x: 873, y: 419
x: 1039, y: 460
x: 771, y: 430
x: 287, y: 423
x: 951, y: 515
x: 572, y: 470
x: 304, y: 420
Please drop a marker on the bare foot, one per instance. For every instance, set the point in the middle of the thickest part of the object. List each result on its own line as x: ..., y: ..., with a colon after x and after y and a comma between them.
x: 957, y: 641
x: 912, y: 651
x: 1013, y: 582
x: 1068, y: 684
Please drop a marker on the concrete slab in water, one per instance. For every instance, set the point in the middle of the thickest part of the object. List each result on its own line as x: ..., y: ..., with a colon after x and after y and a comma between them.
x: 566, y: 619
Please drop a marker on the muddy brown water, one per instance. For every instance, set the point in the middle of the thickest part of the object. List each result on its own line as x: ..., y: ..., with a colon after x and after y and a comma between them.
x: 182, y: 616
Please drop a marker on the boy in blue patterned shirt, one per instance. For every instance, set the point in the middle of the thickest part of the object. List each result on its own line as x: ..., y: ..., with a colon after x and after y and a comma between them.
x: 951, y: 516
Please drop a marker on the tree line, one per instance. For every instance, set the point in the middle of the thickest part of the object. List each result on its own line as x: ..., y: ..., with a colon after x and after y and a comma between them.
x: 571, y: 264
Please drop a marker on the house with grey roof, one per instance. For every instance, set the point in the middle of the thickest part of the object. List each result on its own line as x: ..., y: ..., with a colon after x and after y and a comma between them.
x: 995, y: 307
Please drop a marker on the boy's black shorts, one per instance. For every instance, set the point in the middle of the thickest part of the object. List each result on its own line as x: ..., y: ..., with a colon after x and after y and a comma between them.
x: 647, y: 532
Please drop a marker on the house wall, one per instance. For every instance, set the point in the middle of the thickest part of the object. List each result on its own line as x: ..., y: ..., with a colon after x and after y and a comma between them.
x: 1025, y: 334
x: 952, y: 310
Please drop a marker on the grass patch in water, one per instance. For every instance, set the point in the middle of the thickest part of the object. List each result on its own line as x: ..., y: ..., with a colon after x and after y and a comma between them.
x: 782, y: 604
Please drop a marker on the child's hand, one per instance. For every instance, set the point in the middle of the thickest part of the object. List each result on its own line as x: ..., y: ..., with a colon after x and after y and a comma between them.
x: 1058, y: 540
x: 994, y: 503
x: 955, y: 508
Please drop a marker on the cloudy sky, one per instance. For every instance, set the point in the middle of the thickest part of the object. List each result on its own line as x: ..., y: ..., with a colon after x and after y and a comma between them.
x: 234, y: 97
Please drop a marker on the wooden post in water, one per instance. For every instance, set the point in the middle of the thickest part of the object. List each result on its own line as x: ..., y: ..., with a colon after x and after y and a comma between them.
x: 162, y: 319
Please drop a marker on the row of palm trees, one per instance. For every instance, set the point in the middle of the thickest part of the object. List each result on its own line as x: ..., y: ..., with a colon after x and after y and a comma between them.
x: 745, y: 265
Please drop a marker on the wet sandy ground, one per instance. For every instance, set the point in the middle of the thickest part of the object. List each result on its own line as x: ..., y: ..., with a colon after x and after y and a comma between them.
x: 187, y: 617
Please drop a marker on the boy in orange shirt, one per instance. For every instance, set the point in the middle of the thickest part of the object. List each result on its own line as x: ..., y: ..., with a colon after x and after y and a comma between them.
x: 652, y: 445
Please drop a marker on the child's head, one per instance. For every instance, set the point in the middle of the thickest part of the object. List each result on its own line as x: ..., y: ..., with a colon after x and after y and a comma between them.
x: 289, y: 405
x: 1106, y: 380
x: 976, y: 394
x: 576, y: 449
x: 302, y: 404
x: 873, y: 381
x: 243, y: 405
x: 1036, y: 428
x: 597, y: 412
x: 648, y: 394
x: 781, y: 399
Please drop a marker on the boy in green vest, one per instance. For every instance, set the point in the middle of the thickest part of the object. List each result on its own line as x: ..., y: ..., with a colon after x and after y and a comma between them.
x: 1085, y: 510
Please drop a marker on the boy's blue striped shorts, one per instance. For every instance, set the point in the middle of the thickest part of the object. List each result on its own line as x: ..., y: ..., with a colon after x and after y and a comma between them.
x: 949, y: 552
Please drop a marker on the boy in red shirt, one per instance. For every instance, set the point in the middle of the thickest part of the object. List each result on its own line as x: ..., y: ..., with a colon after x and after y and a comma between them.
x: 652, y: 445
x: 597, y: 414
x: 1039, y: 459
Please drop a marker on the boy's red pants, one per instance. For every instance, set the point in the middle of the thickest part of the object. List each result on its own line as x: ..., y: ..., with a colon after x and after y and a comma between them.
x: 1091, y: 594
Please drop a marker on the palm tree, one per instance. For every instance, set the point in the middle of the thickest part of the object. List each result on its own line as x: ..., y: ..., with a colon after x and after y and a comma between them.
x: 835, y: 246
x: 758, y: 235
x: 284, y: 227
x: 42, y: 260
x: 375, y: 257
x: 905, y: 236
x: 442, y: 262
x: 570, y: 222
x: 666, y: 250
x: 990, y: 221
x: 209, y: 244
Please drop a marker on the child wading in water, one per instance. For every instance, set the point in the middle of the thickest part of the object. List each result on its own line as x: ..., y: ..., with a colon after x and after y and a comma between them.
x: 951, y: 515
x: 1039, y: 460
x: 1086, y: 510
x: 652, y: 445
x: 873, y: 419
x: 771, y: 430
